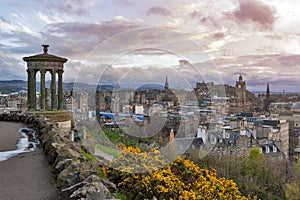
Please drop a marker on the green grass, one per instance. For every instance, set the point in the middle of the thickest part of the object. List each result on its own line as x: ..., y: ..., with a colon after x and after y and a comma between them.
x: 108, y: 150
x: 122, y: 196
x: 88, y: 156
x: 116, y: 138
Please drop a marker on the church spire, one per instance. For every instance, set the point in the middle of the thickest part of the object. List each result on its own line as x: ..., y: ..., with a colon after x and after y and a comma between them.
x: 268, y: 98
x: 166, y: 83
x: 268, y: 91
x: 240, y: 77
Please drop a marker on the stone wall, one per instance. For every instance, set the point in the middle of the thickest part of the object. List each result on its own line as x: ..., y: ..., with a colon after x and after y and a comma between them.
x: 75, y: 175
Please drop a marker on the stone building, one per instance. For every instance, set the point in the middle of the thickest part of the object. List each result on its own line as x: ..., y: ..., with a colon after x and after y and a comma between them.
x: 274, y: 131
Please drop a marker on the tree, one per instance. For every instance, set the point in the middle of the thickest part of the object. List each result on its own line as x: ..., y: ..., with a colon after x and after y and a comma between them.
x: 253, y: 173
x: 292, y: 189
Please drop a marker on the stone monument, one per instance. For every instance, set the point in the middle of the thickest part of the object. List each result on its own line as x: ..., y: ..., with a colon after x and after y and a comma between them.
x: 44, y: 63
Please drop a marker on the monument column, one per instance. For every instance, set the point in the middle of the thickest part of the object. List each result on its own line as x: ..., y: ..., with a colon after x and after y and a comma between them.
x: 29, y: 104
x: 53, y: 90
x: 42, y: 89
x: 60, y: 90
x: 31, y: 100
x: 34, y: 88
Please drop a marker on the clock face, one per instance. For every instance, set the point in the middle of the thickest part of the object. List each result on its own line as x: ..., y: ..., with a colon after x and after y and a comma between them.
x: 239, y: 86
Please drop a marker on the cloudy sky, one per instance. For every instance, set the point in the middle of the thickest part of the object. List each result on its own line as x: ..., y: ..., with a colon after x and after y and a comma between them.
x: 143, y: 41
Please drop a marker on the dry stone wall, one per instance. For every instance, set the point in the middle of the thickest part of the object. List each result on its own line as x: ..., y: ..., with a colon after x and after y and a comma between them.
x: 75, y: 175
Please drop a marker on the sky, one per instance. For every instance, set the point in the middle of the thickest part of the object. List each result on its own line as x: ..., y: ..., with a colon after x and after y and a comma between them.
x: 143, y: 41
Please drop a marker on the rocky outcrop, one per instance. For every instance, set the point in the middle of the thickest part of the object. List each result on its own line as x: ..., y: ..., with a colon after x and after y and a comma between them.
x: 75, y: 175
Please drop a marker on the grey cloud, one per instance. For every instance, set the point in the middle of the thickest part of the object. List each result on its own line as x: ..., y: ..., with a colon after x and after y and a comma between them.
x: 74, y: 7
x: 207, y: 20
x: 158, y: 10
x: 257, y: 70
x: 149, y: 52
x: 78, y: 39
x: 11, y: 68
x: 282, y: 70
x: 4, y: 20
x: 124, y: 2
x: 24, y: 43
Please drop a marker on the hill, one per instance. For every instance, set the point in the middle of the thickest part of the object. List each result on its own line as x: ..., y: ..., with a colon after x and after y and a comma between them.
x: 12, y: 86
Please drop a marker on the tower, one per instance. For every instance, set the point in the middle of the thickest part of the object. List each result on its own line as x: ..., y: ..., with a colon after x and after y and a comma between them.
x: 268, y: 99
x: 240, y: 91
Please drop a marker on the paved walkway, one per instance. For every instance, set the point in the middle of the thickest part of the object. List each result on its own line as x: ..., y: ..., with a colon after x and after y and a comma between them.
x: 26, y: 176
x: 106, y: 156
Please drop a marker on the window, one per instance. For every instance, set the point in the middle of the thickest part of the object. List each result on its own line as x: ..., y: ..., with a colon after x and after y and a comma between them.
x: 213, y: 139
x: 267, y: 149
x: 227, y: 135
x: 274, y: 149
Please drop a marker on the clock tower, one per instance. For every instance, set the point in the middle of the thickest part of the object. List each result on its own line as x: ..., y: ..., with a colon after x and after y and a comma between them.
x: 240, y: 93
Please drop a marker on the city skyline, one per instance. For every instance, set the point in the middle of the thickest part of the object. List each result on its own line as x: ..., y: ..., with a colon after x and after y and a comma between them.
x: 260, y: 39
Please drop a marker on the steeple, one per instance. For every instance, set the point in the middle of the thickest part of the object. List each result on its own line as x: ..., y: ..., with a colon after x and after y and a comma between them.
x: 240, y: 77
x: 117, y: 87
x: 268, y: 99
x: 268, y: 91
x: 166, y: 83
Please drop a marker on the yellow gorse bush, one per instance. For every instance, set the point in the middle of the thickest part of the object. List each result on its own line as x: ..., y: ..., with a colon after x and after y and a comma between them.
x: 182, y: 179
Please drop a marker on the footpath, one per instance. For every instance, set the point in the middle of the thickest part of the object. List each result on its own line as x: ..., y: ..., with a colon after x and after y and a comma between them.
x: 26, y: 176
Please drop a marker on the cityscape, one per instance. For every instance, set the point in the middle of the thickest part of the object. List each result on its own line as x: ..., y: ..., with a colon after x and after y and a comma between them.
x: 150, y: 100
x: 241, y: 119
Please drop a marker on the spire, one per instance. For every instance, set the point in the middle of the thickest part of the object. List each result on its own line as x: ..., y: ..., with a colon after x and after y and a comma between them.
x: 117, y: 87
x: 268, y: 99
x: 268, y: 91
x: 166, y: 83
x: 240, y: 77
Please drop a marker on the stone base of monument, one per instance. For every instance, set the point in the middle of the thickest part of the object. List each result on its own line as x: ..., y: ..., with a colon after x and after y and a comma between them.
x: 62, y: 118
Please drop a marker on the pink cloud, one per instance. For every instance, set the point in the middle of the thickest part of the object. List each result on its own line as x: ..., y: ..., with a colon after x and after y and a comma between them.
x: 204, y: 19
x: 218, y: 35
x: 255, y: 11
x: 158, y: 10
x: 196, y: 14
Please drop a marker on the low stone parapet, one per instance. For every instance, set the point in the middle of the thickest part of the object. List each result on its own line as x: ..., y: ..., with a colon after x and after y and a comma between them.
x: 75, y: 175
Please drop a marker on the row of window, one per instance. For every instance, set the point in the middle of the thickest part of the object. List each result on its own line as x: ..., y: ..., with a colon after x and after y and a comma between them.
x: 267, y: 149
